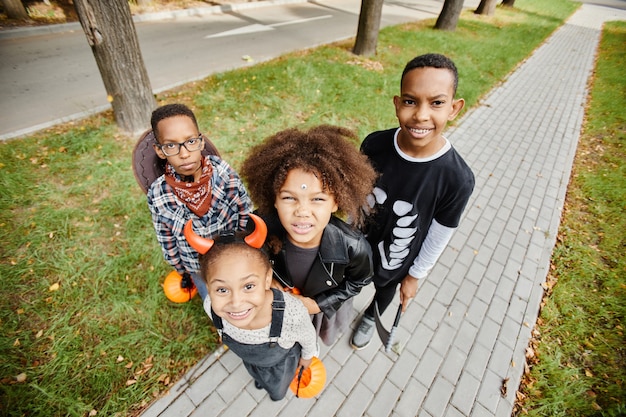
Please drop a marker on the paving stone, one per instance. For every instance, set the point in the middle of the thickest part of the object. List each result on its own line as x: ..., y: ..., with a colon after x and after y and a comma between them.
x: 384, y: 400
x: 212, y: 406
x: 453, y: 365
x: 476, y: 311
x: 207, y: 382
x: 378, y: 367
x: 428, y: 367
x: 267, y: 407
x: 297, y: 407
x: 464, y: 395
x: 333, y: 399
x: 350, y: 374
x: 356, y: 403
x: 404, y: 367
x: 439, y: 397
x: 181, y: 407
x: 478, y: 360
x: 411, y: 399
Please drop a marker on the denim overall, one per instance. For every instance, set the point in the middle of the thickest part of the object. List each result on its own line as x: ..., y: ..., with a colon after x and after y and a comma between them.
x: 271, y: 366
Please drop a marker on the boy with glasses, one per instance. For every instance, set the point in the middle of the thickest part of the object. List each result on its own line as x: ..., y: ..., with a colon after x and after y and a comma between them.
x: 204, y: 189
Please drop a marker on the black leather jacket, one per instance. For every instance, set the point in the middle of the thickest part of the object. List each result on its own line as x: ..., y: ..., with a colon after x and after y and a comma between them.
x: 343, y: 265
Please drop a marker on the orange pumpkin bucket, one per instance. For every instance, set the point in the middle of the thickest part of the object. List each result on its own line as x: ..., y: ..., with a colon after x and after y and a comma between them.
x: 177, y: 289
x: 309, y: 382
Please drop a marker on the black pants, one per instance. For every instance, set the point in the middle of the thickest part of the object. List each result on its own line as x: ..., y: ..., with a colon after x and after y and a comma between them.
x: 383, y: 296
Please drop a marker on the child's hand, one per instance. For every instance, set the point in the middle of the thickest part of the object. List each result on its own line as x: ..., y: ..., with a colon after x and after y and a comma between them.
x: 309, y: 303
x: 408, y: 289
x: 305, y: 363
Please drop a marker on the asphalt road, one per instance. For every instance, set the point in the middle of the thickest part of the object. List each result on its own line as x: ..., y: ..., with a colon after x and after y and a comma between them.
x: 52, y: 77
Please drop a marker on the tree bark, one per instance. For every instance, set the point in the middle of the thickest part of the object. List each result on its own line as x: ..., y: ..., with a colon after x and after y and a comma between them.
x: 486, y: 7
x: 508, y: 3
x: 369, y: 25
x: 111, y: 34
x: 449, y: 16
x: 15, y: 9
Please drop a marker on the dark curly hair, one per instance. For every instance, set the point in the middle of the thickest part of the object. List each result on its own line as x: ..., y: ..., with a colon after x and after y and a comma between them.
x: 328, y: 152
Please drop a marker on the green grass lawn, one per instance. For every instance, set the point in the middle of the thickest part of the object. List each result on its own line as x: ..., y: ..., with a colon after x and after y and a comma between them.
x: 85, y: 324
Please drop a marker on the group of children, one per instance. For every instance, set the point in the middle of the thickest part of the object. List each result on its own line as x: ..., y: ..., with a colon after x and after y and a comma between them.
x: 328, y: 220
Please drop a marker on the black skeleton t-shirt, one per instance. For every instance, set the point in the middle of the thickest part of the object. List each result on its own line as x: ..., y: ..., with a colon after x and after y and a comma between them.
x: 408, y: 195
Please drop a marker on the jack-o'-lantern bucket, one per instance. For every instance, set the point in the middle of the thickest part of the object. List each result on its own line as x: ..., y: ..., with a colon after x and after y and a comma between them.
x: 307, y: 383
x: 179, y: 289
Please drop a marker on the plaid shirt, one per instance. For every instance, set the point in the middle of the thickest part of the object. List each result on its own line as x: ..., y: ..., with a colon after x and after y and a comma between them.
x: 230, y: 205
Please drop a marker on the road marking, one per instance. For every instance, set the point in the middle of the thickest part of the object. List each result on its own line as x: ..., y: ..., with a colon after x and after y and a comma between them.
x: 257, y: 27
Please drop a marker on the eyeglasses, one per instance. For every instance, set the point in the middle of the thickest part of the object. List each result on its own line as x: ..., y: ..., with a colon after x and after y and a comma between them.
x: 173, y: 148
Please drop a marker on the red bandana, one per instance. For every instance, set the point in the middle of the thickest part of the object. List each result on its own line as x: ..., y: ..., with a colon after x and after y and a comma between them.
x: 195, y: 195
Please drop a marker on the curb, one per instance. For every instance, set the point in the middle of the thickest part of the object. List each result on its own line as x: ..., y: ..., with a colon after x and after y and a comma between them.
x: 147, y: 17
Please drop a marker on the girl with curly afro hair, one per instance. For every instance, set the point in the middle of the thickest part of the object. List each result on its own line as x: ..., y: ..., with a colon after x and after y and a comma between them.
x: 302, y: 182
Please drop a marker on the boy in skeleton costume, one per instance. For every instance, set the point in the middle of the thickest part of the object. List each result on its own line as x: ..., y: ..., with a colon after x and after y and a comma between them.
x: 423, y: 188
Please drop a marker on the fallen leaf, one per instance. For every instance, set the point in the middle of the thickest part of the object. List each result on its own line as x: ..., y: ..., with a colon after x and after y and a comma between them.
x: 39, y: 334
x: 54, y: 287
x: 503, y: 388
x: 131, y: 382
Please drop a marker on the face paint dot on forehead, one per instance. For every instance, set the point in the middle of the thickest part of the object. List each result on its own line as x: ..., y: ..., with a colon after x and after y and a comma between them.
x: 303, y: 186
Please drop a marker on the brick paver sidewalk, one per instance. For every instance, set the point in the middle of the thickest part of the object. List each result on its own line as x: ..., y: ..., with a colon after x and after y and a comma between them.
x: 468, y: 328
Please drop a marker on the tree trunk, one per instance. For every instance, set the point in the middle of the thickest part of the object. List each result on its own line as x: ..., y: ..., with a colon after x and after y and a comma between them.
x: 508, y: 3
x: 369, y: 24
x: 111, y: 34
x: 15, y: 9
x: 449, y: 16
x: 486, y: 7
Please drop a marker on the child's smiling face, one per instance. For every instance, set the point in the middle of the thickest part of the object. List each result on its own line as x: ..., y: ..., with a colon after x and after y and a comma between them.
x: 423, y: 109
x: 304, y: 208
x: 239, y: 288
